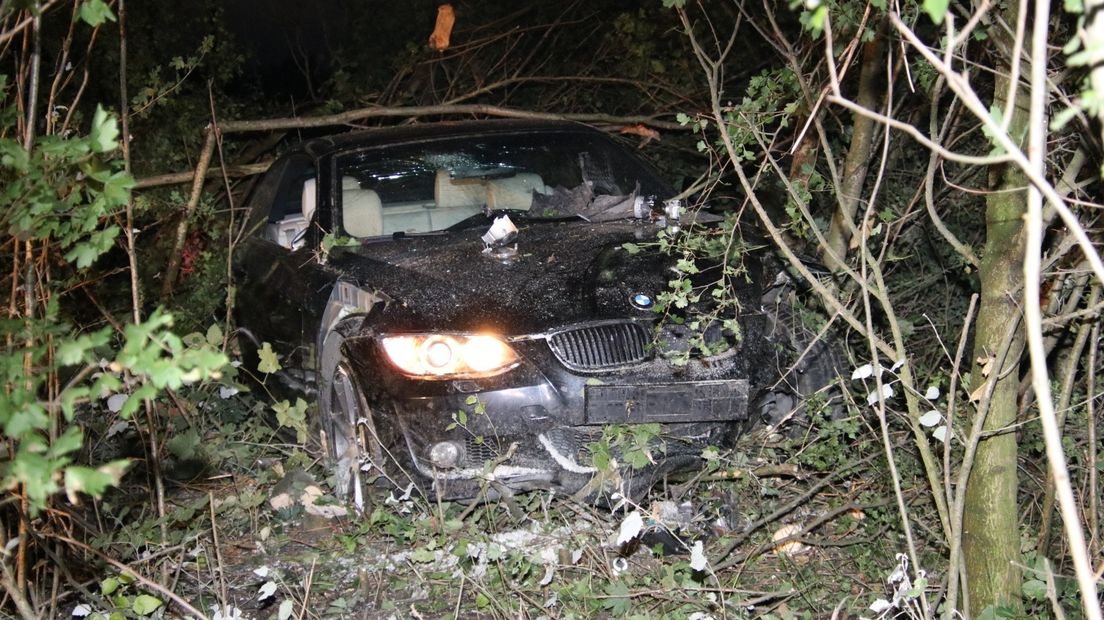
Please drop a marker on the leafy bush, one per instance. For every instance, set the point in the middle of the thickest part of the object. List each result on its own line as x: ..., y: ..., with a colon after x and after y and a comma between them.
x: 59, y: 198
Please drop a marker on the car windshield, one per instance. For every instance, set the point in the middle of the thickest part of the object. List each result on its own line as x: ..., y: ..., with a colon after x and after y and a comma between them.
x: 436, y: 185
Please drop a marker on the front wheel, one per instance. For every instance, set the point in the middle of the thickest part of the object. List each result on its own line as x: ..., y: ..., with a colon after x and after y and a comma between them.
x: 352, y: 439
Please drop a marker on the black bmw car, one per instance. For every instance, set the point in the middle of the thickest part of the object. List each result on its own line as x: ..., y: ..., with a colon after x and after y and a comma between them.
x: 471, y: 306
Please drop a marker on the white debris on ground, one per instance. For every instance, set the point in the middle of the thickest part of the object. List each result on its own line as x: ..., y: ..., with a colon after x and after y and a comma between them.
x: 299, y: 488
x: 790, y: 547
x: 538, y: 543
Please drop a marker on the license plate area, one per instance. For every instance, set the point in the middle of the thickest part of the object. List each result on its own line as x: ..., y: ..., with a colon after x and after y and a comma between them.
x: 702, y: 401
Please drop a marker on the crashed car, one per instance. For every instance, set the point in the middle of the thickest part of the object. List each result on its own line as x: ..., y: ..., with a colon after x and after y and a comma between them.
x: 472, y: 307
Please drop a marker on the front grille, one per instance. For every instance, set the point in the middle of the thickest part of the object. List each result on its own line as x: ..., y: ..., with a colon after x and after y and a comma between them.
x: 602, y: 346
x: 479, y: 452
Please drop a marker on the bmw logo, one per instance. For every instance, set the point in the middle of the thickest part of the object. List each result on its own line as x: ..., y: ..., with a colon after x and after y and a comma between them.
x: 642, y: 301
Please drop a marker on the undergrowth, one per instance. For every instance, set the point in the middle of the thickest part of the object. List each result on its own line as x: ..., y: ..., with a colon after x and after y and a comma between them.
x: 785, y: 525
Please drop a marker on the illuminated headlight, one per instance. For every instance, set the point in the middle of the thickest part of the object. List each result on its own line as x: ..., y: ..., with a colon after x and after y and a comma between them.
x: 449, y: 356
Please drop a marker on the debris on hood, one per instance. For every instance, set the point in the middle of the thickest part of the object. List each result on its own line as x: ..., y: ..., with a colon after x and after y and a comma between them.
x: 672, y: 210
x: 499, y: 236
x: 584, y: 202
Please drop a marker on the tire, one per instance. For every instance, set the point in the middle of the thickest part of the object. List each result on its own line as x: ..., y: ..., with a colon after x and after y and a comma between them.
x: 353, y: 444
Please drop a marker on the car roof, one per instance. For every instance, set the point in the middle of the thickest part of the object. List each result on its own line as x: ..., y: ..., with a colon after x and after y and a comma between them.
x: 326, y: 145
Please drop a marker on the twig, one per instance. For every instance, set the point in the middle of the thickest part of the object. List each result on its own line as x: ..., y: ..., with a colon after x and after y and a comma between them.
x: 16, y: 594
x: 177, y: 178
x: 786, y: 509
x: 184, y: 605
x: 172, y: 268
x: 218, y: 548
x: 1091, y: 465
x: 27, y: 21
x: 961, y: 87
x: 307, y: 590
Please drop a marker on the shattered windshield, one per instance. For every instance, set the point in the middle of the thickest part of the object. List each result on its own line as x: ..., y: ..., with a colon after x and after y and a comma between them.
x: 437, y: 185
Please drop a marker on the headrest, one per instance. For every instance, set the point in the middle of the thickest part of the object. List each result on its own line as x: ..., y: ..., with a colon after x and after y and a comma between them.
x: 362, y: 212
x: 450, y: 192
x: 514, y: 192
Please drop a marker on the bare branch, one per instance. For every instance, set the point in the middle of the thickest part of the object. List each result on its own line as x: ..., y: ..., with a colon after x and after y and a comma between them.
x: 1056, y: 457
x: 354, y: 116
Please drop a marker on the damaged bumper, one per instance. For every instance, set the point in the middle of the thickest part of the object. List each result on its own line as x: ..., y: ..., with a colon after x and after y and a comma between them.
x: 527, y: 446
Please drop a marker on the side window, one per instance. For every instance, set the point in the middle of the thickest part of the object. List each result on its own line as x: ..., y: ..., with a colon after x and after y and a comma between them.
x: 293, y: 204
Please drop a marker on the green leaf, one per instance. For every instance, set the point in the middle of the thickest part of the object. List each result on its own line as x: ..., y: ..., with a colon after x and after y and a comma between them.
x: 1087, y: 56
x: 69, y: 441
x: 214, y: 335
x: 631, y: 248
x: 25, y: 419
x: 421, y: 555
x: 1035, y: 589
x: 93, y: 481
x: 293, y: 417
x: 83, y: 255
x: 95, y: 12
x: 183, y: 445
x: 674, y: 4
x: 71, y: 352
x: 108, y: 586
x: 618, y: 602
x: 137, y: 397
x: 105, y: 131
x: 817, y: 18
x: 144, y: 604
x: 268, y: 364
x: 116, y: 189
x: 998, y: 117
x: 1062, y: 118
x: 936, y: 9
x: 12, y: 155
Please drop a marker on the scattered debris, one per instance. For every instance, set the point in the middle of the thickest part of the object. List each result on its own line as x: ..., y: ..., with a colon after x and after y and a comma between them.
x: 299, y: 488
x: 791, y: 547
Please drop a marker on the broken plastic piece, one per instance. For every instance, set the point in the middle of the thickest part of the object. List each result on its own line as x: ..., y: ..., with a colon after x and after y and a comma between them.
x: 672, y: 209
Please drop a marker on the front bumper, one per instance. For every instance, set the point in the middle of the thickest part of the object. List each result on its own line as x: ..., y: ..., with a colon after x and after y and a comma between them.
x: 527, y: 446
x: 539, y: 425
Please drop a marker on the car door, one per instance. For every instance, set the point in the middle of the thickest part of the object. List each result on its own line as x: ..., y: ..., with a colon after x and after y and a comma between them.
x: 272, y: 261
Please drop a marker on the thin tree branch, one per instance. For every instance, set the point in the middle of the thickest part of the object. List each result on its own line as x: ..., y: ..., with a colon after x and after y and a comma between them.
x: 1056, y: 457
x: 353, y: 116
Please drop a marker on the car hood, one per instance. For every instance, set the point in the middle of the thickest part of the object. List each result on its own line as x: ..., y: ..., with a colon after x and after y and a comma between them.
x: 564, y: 272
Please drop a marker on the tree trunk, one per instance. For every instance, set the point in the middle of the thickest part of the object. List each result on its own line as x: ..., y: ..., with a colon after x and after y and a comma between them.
x: 991, y: 533
x: 855, y: 166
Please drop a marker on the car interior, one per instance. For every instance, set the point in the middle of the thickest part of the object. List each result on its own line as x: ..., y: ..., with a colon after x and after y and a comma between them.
x: 365, y: 214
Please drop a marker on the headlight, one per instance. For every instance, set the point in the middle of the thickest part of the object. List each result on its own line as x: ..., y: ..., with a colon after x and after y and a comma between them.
x: 445, y: 356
